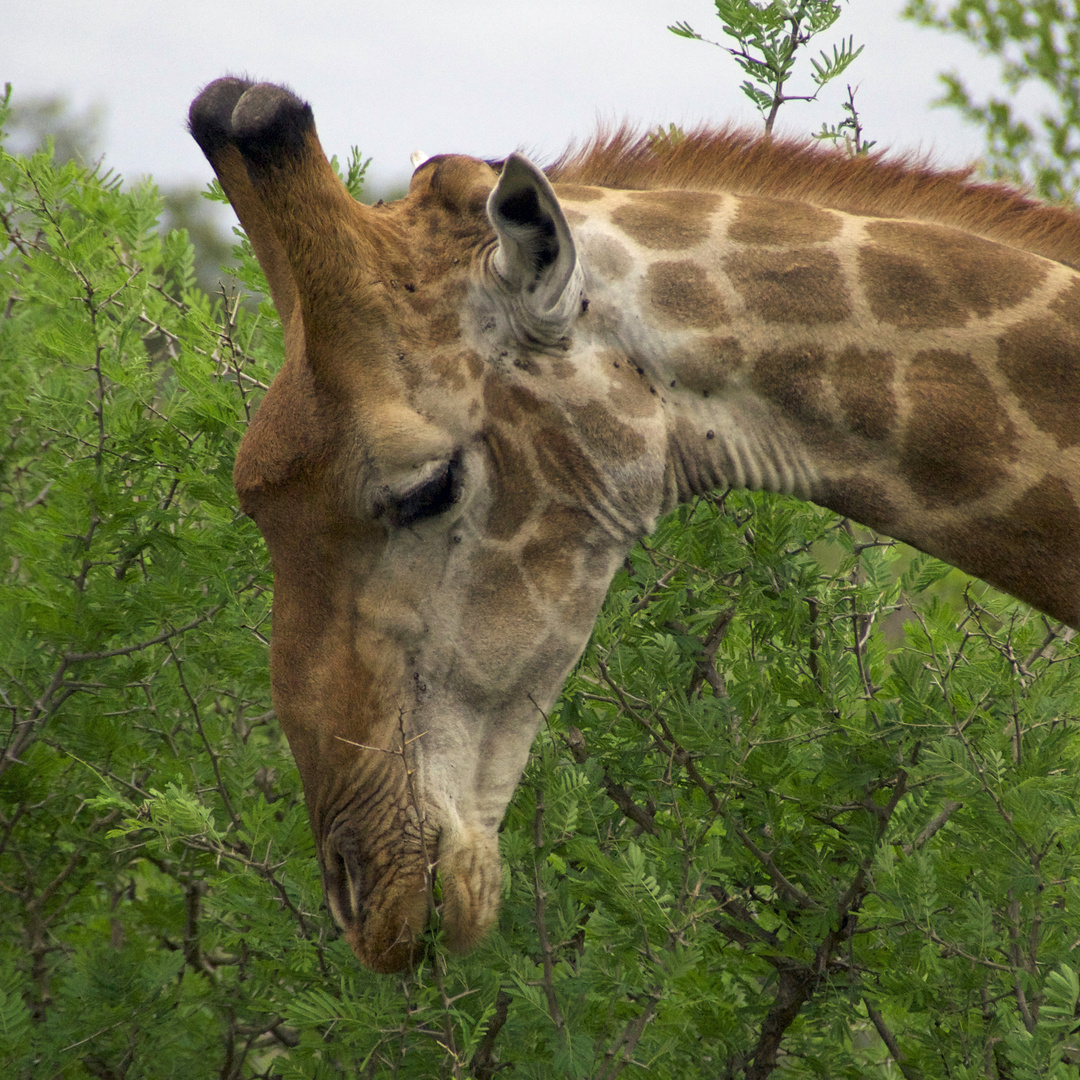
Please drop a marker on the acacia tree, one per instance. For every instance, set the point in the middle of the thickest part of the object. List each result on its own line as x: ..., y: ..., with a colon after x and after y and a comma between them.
x: 766, y: 41
x: 799, y: 811
x: 1037, y: 46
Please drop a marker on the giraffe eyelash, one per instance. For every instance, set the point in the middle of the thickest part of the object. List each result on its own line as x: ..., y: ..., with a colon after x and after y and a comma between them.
x: 433, y: 497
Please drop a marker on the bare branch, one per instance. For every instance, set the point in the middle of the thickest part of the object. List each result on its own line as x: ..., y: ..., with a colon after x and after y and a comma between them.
x: 906, y: 1068
x: 932, y: 827
x: 621, y: 1054
x: 165, y: 635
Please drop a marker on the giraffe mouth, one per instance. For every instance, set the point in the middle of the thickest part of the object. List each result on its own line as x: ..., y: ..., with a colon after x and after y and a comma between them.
x: 384, y: 902
x: 381, y: 899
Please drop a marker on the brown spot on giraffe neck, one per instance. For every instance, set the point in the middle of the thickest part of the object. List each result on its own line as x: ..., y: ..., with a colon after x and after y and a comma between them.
x: 1040, y: 359
x: 781, y: 222
x: 563, y: 464
x: 860, y: 498
x: 1032, y: 551
x: 804, y: 286
x: 920, y: 276
x: 863, y: 382
x: 666, y: 220
x: 578, y: 192
x: 680, y: 294
x: 514, y: 492
x: 549, y: 555
x: 444, y: 327
x: 447, y: 371
x: 566, y: 467
x: 605, y: 434
x: 794, y: 379
x: 958, y: 435
x: 476, y: 363
x: 707, y: 364
x: 608, y: 259
x: 506, y: 402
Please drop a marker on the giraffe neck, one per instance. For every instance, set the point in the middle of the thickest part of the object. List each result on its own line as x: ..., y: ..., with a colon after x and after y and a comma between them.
x: 911, y: 377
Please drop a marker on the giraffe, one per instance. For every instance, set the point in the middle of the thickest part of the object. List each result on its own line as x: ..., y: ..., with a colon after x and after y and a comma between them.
x: 495, y: 385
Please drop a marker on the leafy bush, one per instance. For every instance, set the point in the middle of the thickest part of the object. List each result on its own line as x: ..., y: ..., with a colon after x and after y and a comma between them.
x: 797, y: 808
x: 1036, y: 45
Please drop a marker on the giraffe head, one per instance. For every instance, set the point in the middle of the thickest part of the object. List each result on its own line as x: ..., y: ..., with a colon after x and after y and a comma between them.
x: 443, y: 499
x: 461, y: 446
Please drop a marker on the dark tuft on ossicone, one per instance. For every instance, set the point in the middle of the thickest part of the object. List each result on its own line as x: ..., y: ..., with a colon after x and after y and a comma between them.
x: 210, y: 115
x: 270, y: 123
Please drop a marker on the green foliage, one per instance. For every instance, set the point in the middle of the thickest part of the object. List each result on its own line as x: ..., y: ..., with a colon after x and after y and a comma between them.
x: 49, y: 122
x: 1038, y: 46
x: 849, y: 131
x: 768, y: 38
x: 34, y: 123
x: 355, y: 170
x: 794, y: 811
x: 124, y: 563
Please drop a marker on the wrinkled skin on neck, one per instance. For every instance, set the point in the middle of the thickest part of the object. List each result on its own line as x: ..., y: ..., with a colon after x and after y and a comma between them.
x: 441, y: 535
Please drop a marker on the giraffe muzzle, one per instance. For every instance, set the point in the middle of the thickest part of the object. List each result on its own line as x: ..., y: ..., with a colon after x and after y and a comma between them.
x: 381, y: 903
x: 384, y: 900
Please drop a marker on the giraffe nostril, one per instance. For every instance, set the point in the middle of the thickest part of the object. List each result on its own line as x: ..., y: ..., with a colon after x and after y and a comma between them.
x: 343, y: 880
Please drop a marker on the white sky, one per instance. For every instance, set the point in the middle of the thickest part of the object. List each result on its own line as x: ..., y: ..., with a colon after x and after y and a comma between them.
x: 473, y: 76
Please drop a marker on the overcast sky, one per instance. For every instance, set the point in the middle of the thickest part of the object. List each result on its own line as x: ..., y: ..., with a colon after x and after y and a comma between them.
x: 474, y: 76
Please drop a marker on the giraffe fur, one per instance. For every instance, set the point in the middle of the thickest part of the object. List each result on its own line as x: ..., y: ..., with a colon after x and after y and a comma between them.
x: 495, y: 385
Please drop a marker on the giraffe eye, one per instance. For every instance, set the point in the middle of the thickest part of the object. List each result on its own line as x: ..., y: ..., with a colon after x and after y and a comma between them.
x: 435, y: 495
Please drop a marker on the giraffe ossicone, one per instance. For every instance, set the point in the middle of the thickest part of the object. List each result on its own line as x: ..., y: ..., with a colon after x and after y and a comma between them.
x: 496, y: 384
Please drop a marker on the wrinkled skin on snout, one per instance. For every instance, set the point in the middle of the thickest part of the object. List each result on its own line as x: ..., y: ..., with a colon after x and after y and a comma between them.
x: 440, y: 544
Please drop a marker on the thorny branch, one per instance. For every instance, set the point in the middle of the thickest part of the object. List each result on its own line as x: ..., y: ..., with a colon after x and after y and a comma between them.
x: 483, y: 1065
x: 796, y: 982
x: 621, y: 1054
x: 222, y: 790
x: 932, y: 827
x: 266, y: 870
x: 546, y: 956
x: 60, y: 687
x: 908, y: 1070
x: 575, y: 743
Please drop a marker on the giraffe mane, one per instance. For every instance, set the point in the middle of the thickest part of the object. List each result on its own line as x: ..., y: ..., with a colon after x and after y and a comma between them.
x: 745, y: 163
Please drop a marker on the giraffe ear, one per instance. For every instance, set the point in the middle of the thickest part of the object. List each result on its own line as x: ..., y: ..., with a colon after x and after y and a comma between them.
x: 536, y: 257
